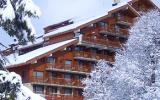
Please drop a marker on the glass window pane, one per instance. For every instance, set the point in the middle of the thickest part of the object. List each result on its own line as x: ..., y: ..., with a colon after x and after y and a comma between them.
x: 67, y: 76
x: 67, y: 91
x: 38, y: 89
x: 68, y: 62
x: 38, y: 74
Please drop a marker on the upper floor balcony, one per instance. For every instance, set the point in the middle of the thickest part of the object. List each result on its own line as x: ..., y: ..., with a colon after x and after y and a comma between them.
x: 88, y: 56
x: 58, y: 82
x: 68, y: 69
x: 103, y: 44
x: 119, y: 33
x: 124, y: 21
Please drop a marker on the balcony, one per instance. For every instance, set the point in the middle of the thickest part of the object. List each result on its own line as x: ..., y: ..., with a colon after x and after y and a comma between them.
x: 121, y: 33
x: 68, y: 69
x: 63, y: 97
x: 59, y: 82
x: 103, y: 44
x: 124, y: 21
x: 88, y: 56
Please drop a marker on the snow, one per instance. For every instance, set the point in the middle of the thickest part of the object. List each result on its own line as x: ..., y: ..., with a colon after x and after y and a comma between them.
x: 29, y: 25
x: 81, y: 21
x: 29, y: 6
x: 35, y: 53
x: 157, y: 3
x: 7, y: 12
x: 136, y: 71
x: 28, y: 94
x: 15, y: 84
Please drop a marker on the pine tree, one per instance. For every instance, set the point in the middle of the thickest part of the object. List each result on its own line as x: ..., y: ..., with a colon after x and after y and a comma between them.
x: 15, y: 18
x: 95, y: 88
x: 136, y: 72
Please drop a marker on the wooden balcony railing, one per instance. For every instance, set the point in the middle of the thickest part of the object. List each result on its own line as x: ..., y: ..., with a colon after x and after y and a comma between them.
x: 121, y: 32
x: 68, y: 68
x: 63, y: 97
x: 59, y: 81
x: 108, y: 43
x: 90, y: 55
x: 124, y: 21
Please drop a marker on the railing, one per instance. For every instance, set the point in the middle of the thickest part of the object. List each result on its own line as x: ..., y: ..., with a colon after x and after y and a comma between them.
x: 63, y: 97
x: 104, y: 42
x: 121, y: 32
x: 94, y: 56
x: 124, y: 20
x: 59, y: 81
x: 68, y: 68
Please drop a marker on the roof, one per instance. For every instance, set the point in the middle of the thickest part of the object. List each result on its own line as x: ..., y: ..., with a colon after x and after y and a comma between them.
x: 37, y: 54
x: 78, y: 24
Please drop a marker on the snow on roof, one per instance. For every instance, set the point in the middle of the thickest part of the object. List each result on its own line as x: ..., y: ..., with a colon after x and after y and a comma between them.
x: 35, y: 53
x: 79, y: 22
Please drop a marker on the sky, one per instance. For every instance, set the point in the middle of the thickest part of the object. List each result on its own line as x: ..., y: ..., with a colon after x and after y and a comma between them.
x: 54, y: 11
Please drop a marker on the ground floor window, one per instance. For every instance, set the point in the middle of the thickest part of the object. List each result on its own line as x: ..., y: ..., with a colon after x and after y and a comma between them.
x: 53, y: 90
x: 38, y: 89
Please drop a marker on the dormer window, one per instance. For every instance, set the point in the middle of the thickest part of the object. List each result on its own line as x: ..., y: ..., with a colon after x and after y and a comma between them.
x: 77, y: 34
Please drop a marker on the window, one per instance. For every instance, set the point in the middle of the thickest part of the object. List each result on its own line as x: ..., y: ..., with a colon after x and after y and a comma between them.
x: 50, y: 59
x: 52, y: 75
x: 103, y: 24
x: 38, y: 89
x: 117, y: 28
x: 80, y: 92
x: 77, y: 34
x: 38, y: 74
x: 93, y: 65
x: 68, y: 91
x: 53, y: 90
x: 67, y: 77
x: 68, y: 63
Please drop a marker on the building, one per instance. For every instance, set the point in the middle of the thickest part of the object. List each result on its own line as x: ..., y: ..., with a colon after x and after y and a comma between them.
x: 55, y: 65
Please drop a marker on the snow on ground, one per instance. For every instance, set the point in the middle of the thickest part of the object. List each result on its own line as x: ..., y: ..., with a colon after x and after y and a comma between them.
x: 35, y: 53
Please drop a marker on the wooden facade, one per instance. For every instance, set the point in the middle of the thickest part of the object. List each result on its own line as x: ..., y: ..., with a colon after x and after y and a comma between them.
x: 58, y: 75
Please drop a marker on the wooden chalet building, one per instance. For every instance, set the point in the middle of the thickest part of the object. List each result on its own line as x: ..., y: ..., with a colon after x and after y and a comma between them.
x: 68, y: 51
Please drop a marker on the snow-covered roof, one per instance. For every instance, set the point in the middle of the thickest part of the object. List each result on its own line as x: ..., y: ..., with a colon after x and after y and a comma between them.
x: 38, y: 53
x: 78, y: 22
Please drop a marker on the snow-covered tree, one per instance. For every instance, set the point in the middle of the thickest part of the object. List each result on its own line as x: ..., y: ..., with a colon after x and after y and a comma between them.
x: 95, y: 88
x: 11, y: 88
x: 136, y: 72
x: 138, y: 65
x: 15, y: 18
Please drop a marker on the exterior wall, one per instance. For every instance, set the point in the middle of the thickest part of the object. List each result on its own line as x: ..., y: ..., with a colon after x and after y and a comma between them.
x: 59, y: 38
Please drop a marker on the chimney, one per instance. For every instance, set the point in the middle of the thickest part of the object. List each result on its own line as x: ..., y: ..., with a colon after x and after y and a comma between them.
x: 115, y: 2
